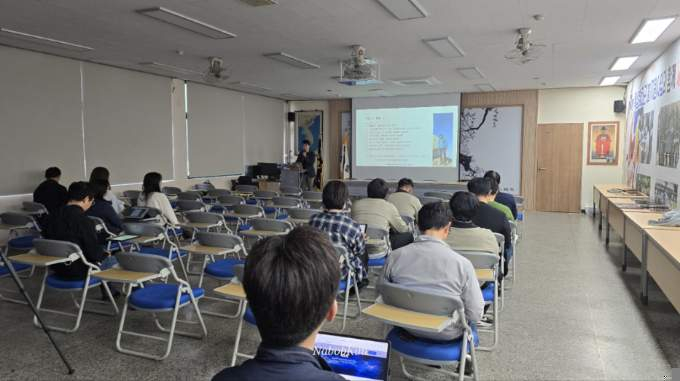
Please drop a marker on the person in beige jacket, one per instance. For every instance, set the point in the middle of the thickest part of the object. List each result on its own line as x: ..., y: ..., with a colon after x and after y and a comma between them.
x: 376, y: 212
x: 465, y: 235
x: 407, y: 204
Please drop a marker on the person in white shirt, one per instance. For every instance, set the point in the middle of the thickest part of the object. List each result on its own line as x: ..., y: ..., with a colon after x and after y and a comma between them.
x: 407, y: 204
x: 103, y: 174
x: 152, y: 197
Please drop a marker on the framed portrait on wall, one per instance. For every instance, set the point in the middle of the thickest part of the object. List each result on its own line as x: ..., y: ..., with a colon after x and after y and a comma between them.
x: 603, y: 143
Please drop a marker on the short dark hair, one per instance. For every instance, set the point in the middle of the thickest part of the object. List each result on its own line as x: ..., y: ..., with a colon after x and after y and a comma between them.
x: 493, y: 184
x: 99, y: 188
x: 79, y: 191
x: 306, y: 141
x: 377, y: 188
x: 404, y: 182
x: 52, y: 172
x: 290, y: 283
x: 464, y: 205
x: 335, y: 194
x: 100, y: 173
x: 493, y: 175
x: 434, y: 215
x: 480, y: 186
x: 152, y: 183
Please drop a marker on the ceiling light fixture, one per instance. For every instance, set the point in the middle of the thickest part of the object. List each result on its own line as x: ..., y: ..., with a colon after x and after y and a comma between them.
x: 651, y: 29
x: 292, y: 60
x: 249, y: 86
x: 259, y: 3
x: 186, y: 22
x: 623, y: 63
x: 470, y: 72
x: 608, y: 81
x: 425, y: 81
x: 172, y: 68
x: 404, y: 9
x: 445, y: 47
x: 42, y: 40
x: 485, y: 87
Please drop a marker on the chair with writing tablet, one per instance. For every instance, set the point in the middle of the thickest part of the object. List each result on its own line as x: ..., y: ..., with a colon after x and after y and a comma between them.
x: 22, y: 229
x: 301, y: 216
x: 153, y: 239
x: 171, y: 192
x: 243, y: 213
x: 23, y: 271
x: 189, y: 196
x: 282, y: 203
x: 112, y: 244
x: 290, y: 191
x: 429, y: 200
x: 213, y: 194
x: 500, y: 238
x: 34, y: 208
x: 445, y: 196
x: 513, y: 259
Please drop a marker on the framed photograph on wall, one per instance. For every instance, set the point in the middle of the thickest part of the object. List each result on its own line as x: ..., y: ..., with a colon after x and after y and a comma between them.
x: 603, y: 143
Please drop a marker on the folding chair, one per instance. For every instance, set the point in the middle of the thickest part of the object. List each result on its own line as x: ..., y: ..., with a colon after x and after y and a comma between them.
x: 445, y: 196
x: 152, y: 234
x: 429, y: 200
x: 34, y: 208
x: 300, y: 216
x: 500, y: 238
x: 245, y: 189
x: 15, y: 223
x: 312, y: 199
x: 234, y: 290
x: 155, y: 298
x: 111, y: 244
x: 347, y: 284
x: 411, y: 223
x: 185, y: 206
x: 190, y: 196
x: 281, y: 203
x: 132, y: 196
x: 171, y: 191
x: 230, y: 200
x: 242, y: 213
x: 51, y: 252
x: 378, y: 247
x: 5, y: 273
x: 290, y: 191
x: 427, y: 313
x: 213, y: 194
x: 513, y: 259
x: 488, y: 261
x: 264, y: 199
x: 266, y: 227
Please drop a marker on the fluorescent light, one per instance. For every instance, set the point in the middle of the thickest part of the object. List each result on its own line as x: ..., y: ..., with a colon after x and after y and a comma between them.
x: 623, y: 63
x: 291, y: 60
x: 426, y: 81
x: 470, y: 72
x: 484, y: 87
x: 43, y: 40
x: 186, y: 22
x: 259, y: 3
x: 172, y: 68
x: 445, y: 47
x: 249, y: 86
x: 404, y: 9
x: 651, y: 29
x: 608, y: 81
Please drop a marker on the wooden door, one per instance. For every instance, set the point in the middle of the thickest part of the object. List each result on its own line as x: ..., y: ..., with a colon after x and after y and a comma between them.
x: 559, y: 155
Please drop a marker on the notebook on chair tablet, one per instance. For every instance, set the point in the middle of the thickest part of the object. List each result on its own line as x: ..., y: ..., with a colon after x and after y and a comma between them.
x: 354, y: 358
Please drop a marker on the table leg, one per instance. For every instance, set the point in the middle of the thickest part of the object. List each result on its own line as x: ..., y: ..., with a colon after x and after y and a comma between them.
x: 644, y: 276
x: 606, y: 226
x: 624, y: 266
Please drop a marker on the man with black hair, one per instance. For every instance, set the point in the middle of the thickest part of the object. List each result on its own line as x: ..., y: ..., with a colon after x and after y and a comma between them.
x: 291, y: 283
x: 50, y: 193
x: 429, y: 265
x: 495, y: 204
x: 501, y: 197
x: 464, y: 234
x: 307, y: 159
x: 376, y: 212
x: 488, y: 217
x: 71, y: 224
x: 407, y: 204
x: 103, y: 208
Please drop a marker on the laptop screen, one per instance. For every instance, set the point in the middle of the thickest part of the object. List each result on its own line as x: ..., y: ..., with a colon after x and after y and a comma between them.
x: 354, y: 358
x: 137, y: 213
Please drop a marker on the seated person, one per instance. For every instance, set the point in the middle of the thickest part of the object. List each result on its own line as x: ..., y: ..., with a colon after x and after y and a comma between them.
x: 50, y: 193
x: 342, y: 229
x: 152, y: 197
x: 464, y: 234
x: 101, y: 173
x: 376, y: 212
x: 407, y: 204
x: 490, y: 218
x: 501, y: 197
x: 429, y: 265
x: 496, y: 204
x: 71, y: 224
x: 103, y: 208
x: 291, y: 284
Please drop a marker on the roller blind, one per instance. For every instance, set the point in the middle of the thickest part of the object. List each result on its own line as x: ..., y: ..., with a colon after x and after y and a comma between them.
x: 214, y: 131
x: 40, y: 119
x: 128, y: 123
x: 264, y: 129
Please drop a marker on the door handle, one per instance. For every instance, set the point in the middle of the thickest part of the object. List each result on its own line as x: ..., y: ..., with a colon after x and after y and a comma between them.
x: 542, y: 169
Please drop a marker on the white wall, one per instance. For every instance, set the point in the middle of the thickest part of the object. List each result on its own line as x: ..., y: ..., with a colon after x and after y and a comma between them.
x: 583, y: 105
x: 311, y: 106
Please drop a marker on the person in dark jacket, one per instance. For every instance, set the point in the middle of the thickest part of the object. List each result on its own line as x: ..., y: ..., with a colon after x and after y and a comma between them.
x: 71, y: 224
x: 501, y: 197
x: 50, y: 193
x: 307, y: 159
x: 290, y: 283
x: 103, y: 208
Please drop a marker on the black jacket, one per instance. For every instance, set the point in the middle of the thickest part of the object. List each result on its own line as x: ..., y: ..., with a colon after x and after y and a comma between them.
x: 281, y: 364
x: 71, y: 224
x: 104, y: 210
x: 51, y: 194
x: 307, y: 163
x: 493, y: 219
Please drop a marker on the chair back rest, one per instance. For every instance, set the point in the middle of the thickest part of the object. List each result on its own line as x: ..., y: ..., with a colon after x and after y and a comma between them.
x: 265, y: 194
x: 204, y: 217
x: 429, y: 200
x: 408, y: 220
x: 500, y: 238
x: 189, y: 195
x: 290, y: 191
x: 286, y: 201
x: 242, y: 188
x: 428, y: 302
x: 99, y: 224
x: 190, y: 205
x: 217, y: 192
x: 55, y: 248
x: 315, y: 204
x: 142, y: 229
x: 269, y: 224
x: 143, y: 263
x: 301, y: 213
x: 480, y: 259
x: 446, y: 196
x: 230, y: 200
x: 33, y: 207
x: 172, y: 191
x: 249, y: 209
x: 18, y: 219
x: 311, y: 196
x: 224, y: 240
x: 342, y: 253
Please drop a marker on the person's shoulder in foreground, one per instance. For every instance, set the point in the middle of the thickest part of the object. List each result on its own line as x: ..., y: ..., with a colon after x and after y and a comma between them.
x: 290, y: 283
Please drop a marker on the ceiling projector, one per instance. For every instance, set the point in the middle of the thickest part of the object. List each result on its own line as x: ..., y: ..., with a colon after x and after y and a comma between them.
x: 359, y: 69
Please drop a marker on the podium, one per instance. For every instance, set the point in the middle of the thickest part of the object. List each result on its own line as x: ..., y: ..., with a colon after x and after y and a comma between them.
x: 291, y: 176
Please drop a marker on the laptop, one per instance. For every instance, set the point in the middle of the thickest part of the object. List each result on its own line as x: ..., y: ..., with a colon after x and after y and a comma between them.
x: 137, y: 213
x: 354, y: 358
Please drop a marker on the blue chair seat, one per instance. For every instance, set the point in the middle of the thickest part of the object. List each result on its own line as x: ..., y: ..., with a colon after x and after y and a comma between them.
x: 173, y: 204
x: 488, y: 292
x: 251, y: 201
x: 23, y: 242
x: 54, y: 282
x: 243, y: 227
x: 377, y: 262
x: 217, y: 209
x: 249, y: 317
x: 161, y: 252
x: 175, y: 231
x: 282, y: 217
x: 17, y: 267
x: 161, y: 296
x: 426, y: 349
x: 343, y: 285
x: 269, y: 210
x: 223, y: 268
x: 120, y: 245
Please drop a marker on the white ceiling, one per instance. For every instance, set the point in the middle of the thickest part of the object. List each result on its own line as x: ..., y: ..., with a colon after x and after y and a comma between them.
x: 583, y: 37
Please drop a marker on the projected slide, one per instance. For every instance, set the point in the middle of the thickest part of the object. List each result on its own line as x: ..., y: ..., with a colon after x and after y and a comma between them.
x: 407, y: 137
